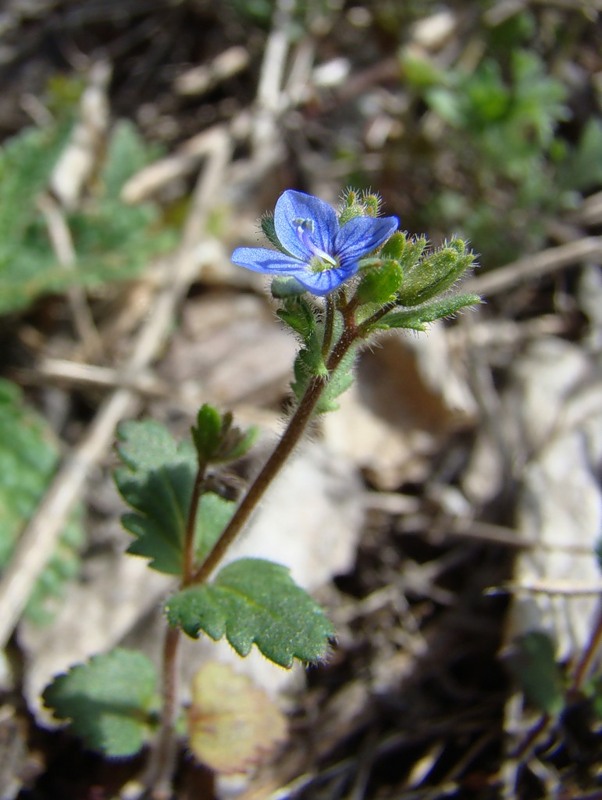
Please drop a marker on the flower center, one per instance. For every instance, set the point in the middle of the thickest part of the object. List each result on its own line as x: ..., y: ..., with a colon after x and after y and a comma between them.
x: 321, y: 260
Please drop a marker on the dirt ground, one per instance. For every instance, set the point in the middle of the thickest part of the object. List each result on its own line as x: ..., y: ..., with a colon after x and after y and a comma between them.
x: 454, y: 499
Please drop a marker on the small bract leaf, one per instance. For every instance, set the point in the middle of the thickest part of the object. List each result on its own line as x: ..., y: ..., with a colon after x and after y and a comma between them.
x: 380, y: 285
x: 269, y: 230
x: 207, y: 433
x: 234, y: 442
x: 417, y: 318
x: 253, y: 601
x: 232, y: 724
x: 109, y: 701
x: 339, y: 382
x: 299, y: 315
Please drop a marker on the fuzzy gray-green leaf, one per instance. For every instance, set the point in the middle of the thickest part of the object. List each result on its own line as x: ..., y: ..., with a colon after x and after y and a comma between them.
x: 253, y: 601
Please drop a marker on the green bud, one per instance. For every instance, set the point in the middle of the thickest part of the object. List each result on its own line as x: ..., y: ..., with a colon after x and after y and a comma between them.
x: 355, y: 204
x: 371, y: 203
x: 207, y: 433
x: 434, y: 273
x: 380, y: 285
x: 216, y: 440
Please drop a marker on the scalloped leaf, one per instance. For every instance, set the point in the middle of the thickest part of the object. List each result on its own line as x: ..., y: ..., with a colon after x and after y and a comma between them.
x: 157, y: 481
x: 109, y: 701
x: 253, y: 601
x: 232, y: 723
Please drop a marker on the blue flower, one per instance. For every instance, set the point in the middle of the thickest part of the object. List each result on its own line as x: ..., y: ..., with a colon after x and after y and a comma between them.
x: 316, y: 251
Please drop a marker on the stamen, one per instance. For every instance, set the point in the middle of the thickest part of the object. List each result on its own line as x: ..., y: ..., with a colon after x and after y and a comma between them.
x: 304, y: 227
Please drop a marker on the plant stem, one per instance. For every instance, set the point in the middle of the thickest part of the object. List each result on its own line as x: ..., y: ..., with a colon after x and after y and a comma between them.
x: 328, y: 326
x: 188, y: 549
x: 588, y: 657
x: 162, y: 760
x: 367, y: 324
x: 160, y: 769
x: 293, y: 432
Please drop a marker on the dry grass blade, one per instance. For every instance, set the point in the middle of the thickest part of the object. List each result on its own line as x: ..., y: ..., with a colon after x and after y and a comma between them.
x: 536, y: 266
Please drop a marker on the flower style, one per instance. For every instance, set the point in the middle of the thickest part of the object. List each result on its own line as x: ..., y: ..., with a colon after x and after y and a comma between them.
x: 317, y: 251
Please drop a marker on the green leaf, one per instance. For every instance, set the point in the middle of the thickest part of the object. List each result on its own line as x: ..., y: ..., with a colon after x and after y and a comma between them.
x: 417, y: 318
x: 26, y: 162
x: 299, y: 315
x: 109, y: 701
x: 308, y: 363
x: 381, y: 284
x: 157, y: 481
x: 338, y: 383
x: 215, y: 512
x: 29, y: 455
x: 253, y: 601
x: 532, y: 661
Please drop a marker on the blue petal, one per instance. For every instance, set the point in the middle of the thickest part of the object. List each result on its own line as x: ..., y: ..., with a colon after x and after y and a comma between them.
x: 260, y: 259
x: 293, y: 206
x: 321, y: 283
x: 362, y: 235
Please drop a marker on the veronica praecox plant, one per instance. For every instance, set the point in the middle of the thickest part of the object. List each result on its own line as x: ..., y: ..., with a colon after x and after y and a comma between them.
x: 340, y: 279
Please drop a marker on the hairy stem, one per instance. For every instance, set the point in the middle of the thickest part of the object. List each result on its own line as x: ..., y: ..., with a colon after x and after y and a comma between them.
x: 161, y: 763
x: 293, y: 432
x: 162, y: 760
x: 328, y: 326
x: 188, y: 550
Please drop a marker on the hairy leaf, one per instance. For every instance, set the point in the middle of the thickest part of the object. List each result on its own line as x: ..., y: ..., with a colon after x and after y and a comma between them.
x: 418, y: 317
x: 157, y: 481
x: 253, y: 601
x: 109, y: 701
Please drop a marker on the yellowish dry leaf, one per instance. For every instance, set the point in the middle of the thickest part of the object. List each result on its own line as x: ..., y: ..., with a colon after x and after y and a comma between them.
x: 232, y: 724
